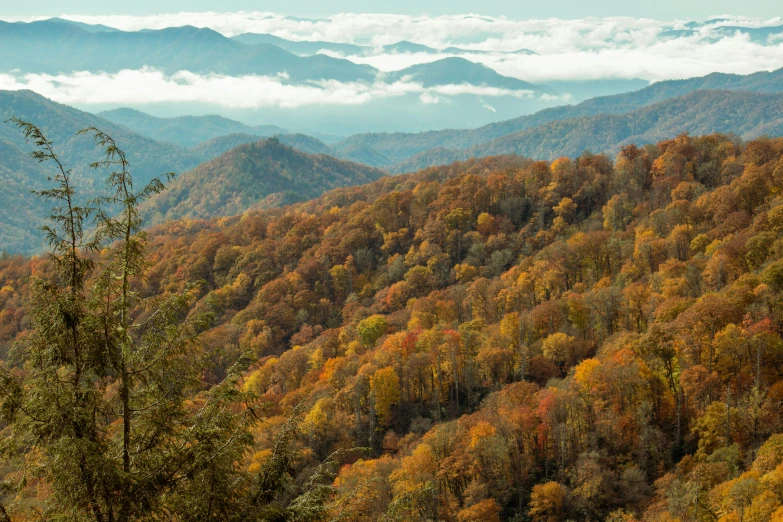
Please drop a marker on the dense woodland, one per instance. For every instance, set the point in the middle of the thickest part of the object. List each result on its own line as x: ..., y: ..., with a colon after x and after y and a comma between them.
x: 498, y: 339
x: 259, y: 175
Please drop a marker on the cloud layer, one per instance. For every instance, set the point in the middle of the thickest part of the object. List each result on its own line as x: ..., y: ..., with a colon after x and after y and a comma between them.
x: 148, y: 86
x: 619, y: 47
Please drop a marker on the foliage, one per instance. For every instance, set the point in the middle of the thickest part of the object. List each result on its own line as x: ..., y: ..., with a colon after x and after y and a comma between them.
x: 499, y: 348
x: 108, y: 404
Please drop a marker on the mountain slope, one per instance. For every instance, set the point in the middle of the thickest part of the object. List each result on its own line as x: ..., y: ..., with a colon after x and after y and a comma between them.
x: 148, y: 158
x: 748, y: 114
x: 456, y: 71
x: 255, y: 175
x: 301, y: 48
x: 54, y: 47
x: 397, y: 147
x: 20, y: 213
x: 187, y: 131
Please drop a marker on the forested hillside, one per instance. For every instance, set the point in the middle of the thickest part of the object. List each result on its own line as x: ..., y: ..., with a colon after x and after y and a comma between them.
x: 500, y: 339
x: 61, y: 122
x: 263, y: 174
x: 748, y: 114
x: 21, y: 214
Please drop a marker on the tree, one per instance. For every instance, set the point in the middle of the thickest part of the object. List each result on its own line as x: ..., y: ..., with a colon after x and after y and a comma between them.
x: 371, y: 329
x: 385, y: 386
x: 559, y: 347
x: 547, y: 502
x: 111, y: 394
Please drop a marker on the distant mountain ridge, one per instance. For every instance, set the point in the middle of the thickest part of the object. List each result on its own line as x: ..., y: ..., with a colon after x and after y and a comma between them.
x: 748, y: 114
x: 290, y: 174
x: 398, y: 147
x: 187, y: 131
x: 61, y: 46
x: 454, y: 71
x: 55, y: 47
x: 21, y: 213
x: 311, y: 47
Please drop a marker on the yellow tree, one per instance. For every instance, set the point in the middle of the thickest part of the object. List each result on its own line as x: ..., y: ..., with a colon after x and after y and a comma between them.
x: 547, y: 502
x: 385, y: 386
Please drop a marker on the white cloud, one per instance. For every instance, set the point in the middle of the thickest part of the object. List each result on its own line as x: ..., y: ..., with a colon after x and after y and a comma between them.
x: 142, y: 86
x: 588, y: 48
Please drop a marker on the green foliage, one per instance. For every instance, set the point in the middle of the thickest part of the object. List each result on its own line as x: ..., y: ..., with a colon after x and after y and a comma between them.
x: 255, y: 175
x: 110, y: 396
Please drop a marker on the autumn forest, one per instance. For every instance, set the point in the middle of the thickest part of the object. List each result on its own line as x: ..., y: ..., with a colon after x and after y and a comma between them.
x: 501, y: 339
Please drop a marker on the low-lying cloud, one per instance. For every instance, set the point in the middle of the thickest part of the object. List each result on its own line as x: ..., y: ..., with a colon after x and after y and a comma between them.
x: 590, y: 48
x: 149, y: 86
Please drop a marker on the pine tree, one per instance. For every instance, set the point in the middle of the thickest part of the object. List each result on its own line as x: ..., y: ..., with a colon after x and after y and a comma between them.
x: 111, y: 398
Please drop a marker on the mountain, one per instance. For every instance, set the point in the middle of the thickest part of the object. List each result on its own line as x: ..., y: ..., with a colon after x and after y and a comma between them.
x: 305, y: 48
x: 56, y: 47
x: 255, y: 175
x: 748, y: 114
x: 770, y: 35
x: 90, y: 28
x: 457, y: 71
x: 398, y: 147
x: 222, y: 144
x: 280, y: 171
x: 20, y: 213
x: 306, y: 144
x: 405, y: 46
x: 580, y: 90
x: 187, y: 131
x: 309, y: 48
x: 60, y: 123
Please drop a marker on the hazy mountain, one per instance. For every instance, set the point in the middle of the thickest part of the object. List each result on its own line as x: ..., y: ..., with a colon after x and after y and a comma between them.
x: 90, y: 28
x: 255, y: 175
x: 761, y: 35
x: 309, y: 48
x: 306, y: 144
x: 188, y: 131
x: 405, y: 46
x: 222, y: 144
x: 748, y: 114
x: 302, y: 47
x: 271, y: 172
x: 59, y: 46
x: 20, y: 212
x: 60, y: 123
x: 397, y: 147
x: 456, y: 71
x: 54, y: 47
x: 580, y: 90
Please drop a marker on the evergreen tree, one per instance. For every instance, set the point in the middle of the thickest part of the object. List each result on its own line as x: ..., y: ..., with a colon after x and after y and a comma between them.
x: 111, y: 395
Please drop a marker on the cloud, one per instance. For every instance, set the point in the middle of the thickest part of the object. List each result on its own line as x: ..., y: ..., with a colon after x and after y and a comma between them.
x: 578, y: 49
x: 147, y: 86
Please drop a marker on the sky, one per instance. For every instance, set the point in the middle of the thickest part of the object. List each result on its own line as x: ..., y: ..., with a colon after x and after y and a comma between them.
x: 662, y: 9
